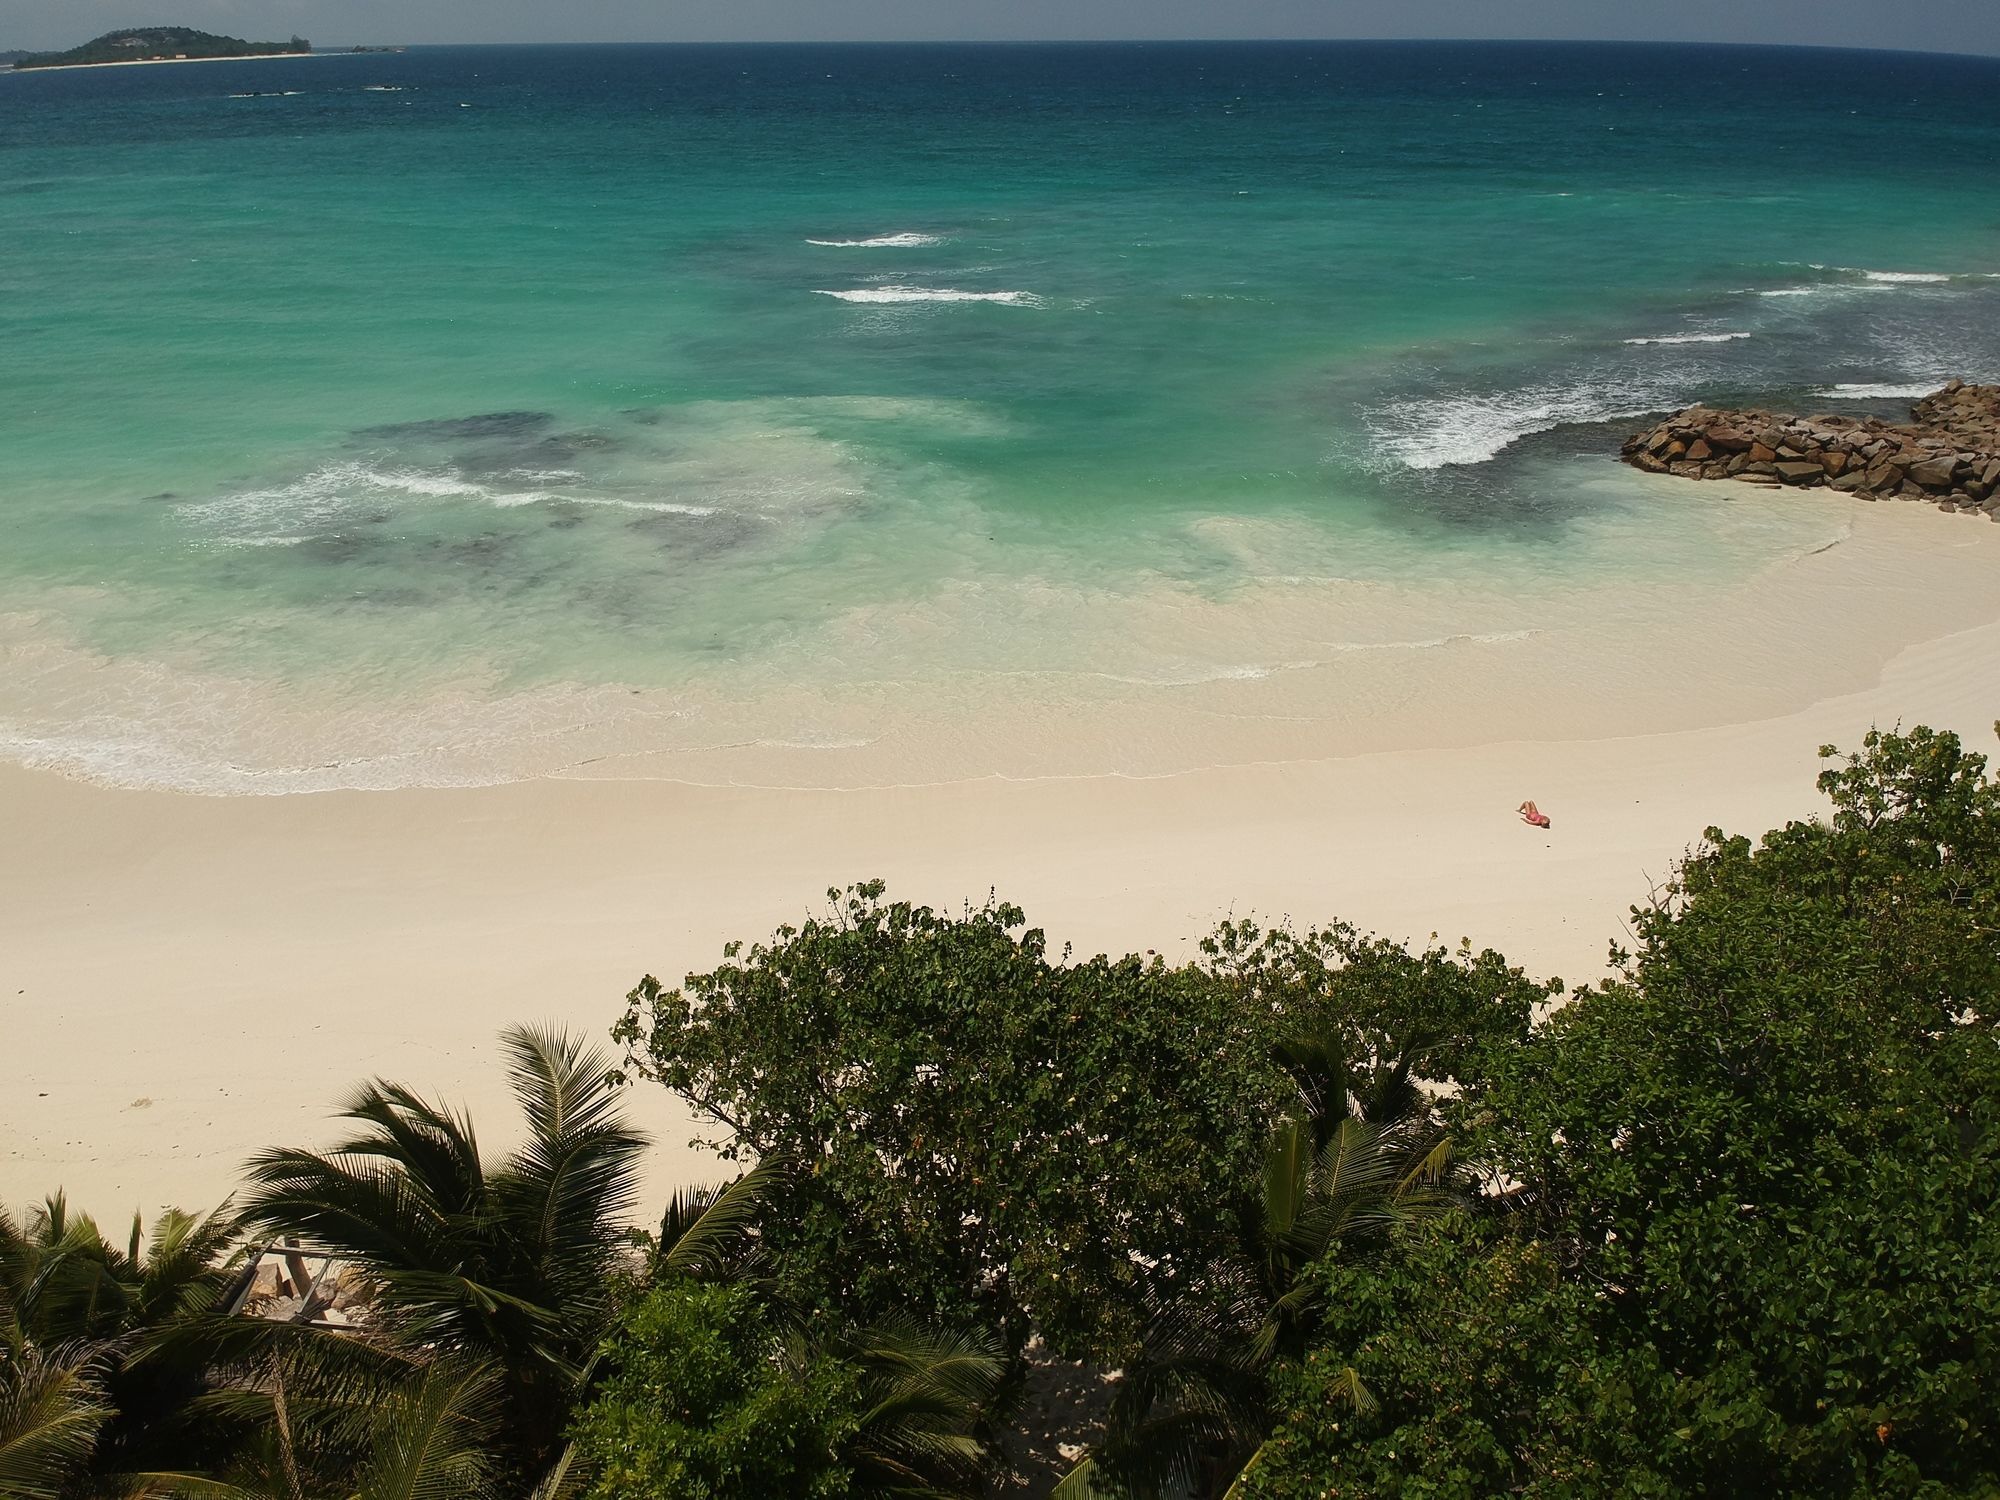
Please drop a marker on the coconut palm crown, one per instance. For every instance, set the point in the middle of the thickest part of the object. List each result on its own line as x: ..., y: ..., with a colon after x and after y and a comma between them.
x: 509, y: 1262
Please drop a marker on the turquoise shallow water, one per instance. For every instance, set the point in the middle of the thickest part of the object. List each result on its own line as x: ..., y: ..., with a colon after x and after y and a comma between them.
x: 357, y: 406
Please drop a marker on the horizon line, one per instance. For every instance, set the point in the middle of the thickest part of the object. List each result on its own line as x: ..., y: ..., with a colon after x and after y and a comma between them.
x: 1211, y: 41
x: 1169, y: 41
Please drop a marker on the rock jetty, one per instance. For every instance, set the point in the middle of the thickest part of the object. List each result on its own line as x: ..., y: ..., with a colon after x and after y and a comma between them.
x: 1948, y: 453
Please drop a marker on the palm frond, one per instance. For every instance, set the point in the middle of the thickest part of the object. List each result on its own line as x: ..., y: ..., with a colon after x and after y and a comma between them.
x: 433, y: 1145
x: 168, y: 1484
x: 71, y: 1283
x: 1429, y: 1167
x: 1390, y: 1096
x: 1166, y: 1455
x: 51, y: 1411
x: 907, y: 1367
x: 1079, y: 1483
x: 1348, y: 1386
x: 1287, y: 1178
x: 925, y: 1392
x: 512, y: 1264
x: 1235, y: 1490
x: 435, y: 1441
x: 703, y: 1226
x: 183, y: 1268
x: 373, y: 1213
x: 1317, y: 1064
x: 577, y: 1172
x: 565, y: 1480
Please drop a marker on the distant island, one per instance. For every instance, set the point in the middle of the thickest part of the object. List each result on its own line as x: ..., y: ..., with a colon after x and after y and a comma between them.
x: 159, y: 44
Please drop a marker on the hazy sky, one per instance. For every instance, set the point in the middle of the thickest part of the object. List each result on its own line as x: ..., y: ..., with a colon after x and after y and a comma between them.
x: 1931, y: 25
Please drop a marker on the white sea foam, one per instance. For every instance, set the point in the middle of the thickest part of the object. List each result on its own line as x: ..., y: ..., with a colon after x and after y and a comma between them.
x: 135, y: 722
x: 326, y: 495
x: 1436, y: 431
x: 1691, y: 338
x: 882, y: 294
x: 1871, y: 281
x: 1200, y: 676
x: 1832, y: 289
x: 1864, y: 391
x: 883, y: 242
x: 657, y: 507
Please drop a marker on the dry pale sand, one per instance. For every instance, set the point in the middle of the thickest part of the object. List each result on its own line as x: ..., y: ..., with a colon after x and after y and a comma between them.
x: 186, y: 979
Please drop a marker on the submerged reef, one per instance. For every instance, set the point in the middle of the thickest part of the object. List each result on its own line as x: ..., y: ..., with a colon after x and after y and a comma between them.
x: 1948, y: 453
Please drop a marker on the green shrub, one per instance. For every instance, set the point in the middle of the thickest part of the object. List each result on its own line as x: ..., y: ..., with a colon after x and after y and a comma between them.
x: 699, y: 1405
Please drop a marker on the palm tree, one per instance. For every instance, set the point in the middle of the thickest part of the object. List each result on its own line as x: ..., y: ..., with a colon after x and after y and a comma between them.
x: 52, y: 1409
x: 509, y: 1263
x: 511, y: 1267
x: 493, y: 1285
x: 90, y: 1327
x: 1349, y: 1167
x: 61, y: 1281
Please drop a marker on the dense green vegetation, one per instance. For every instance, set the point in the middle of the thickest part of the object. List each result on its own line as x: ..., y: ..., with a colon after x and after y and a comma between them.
x: 1311, y: 1215
x: 157, y: 43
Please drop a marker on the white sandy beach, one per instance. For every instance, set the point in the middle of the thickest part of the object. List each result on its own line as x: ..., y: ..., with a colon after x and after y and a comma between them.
x: 187, y: 979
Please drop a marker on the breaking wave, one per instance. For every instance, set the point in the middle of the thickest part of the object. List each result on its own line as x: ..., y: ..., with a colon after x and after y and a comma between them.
x: 883, y: 242
x: 1433, y: 432
x: 1864, y: 391
x: 1692, y: 338
x: 882, y: 294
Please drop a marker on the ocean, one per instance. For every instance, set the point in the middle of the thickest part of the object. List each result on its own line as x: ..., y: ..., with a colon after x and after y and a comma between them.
x: 832, y: 415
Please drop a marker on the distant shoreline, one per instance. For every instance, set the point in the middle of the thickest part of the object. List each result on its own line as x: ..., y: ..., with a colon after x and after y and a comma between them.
x: 156, y: 62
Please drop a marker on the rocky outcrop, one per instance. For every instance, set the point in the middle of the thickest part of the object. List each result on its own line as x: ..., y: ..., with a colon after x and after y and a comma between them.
x: 1948, y: 453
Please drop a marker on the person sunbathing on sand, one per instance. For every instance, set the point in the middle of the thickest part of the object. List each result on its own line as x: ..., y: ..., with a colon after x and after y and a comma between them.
x: 1533, y: 815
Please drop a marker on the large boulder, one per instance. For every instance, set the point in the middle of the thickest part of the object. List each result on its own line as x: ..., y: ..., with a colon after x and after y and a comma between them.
x: 1935, y: 473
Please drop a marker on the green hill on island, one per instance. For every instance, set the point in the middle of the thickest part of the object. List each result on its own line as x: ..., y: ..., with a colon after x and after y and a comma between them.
x: 159, y: 44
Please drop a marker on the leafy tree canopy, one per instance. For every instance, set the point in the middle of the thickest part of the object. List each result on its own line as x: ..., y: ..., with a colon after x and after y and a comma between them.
x: 982, y: 1134
x: 988, y: 1133
x: 1755, y: 1185
x: 1378, y: 1016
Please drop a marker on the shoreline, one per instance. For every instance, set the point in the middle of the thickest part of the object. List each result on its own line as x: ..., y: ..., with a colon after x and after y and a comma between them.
x: 189, y: 979
x: 154, y: 62
x: 1749, y: 603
